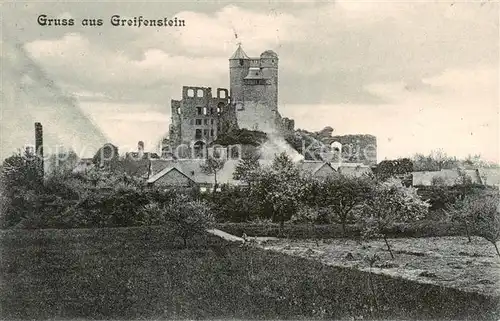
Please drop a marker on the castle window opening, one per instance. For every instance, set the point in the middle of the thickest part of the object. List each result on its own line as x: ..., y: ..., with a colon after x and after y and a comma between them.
x: 205, y: 121
x: 211, y: 121
x: 211, y: 111
x: 198, y: 110
x: 198, y: 134
x: 178, y: 110
x: 241, y: 62
x: 205, y: 132
x: 212, y: 132
x: 190, y: 93
x: 204, y: 110
x: 220, y: 107
x: 198, y: 121
x: 222, y: 94
x: 199, y: 93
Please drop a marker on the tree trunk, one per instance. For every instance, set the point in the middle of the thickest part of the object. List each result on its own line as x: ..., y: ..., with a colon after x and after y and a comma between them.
x: 388, y: 247
x: 496, y: 248
x: 344, y: 234
x: 468, y: 232
x: 215, y: 182
x: 374, y: 295
x: 282, y: 226
x: 185, y: 242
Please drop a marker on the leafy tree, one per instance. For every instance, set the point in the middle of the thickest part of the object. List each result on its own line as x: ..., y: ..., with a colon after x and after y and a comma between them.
x: 211, y: 166
x: 246, y: 168
x: 478, y: 213
x: 435, y: 161
x: 21, y: 182
x: 189, y: 218
x: 233, y: 203
x: 22, y: 170
x: 278, y: 189
x: 398, y: 168
x: 389, y: 203
x: 475, y: 161
x: 342, y: 194
x: 486, y: 213
x: 62, y: 162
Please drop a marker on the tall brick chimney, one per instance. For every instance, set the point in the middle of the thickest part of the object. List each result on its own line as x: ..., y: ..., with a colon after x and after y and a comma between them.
x: 39, y: 143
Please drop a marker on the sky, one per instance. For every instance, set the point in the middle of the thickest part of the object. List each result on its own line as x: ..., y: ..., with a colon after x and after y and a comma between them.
x: 419, y: 75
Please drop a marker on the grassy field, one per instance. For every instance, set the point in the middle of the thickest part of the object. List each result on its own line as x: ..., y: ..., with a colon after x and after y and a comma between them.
x: 444, y: 261
x: 145, y: 273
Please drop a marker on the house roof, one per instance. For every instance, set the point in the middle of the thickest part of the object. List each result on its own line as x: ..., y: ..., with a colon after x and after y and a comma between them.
x: 239, y: 54
x: 356, y: 170
x: 449, y: 177
x: 490, y: 176
x: 164, y: 172
x: 192, y: 169
x: 312, y: 166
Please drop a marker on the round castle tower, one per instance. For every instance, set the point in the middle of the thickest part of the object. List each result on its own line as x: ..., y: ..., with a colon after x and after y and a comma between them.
x: 254, y: 89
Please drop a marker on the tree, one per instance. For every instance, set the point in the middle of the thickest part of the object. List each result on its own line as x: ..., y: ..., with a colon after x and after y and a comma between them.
x: 476, y: 161
x: 435, y: 161
x: 486, y: 214
x: 211, y: 166
x: 279, y: 188
x: 389, y: 203
x: 62, y: 162
x: 246, y: 168
x: 398, y: 168
x: 479, y: 214
x: 189, y: 218
x: 342, y: 194
x: 22, y: 181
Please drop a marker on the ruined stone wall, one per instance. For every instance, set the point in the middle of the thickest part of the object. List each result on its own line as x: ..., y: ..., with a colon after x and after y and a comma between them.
x: 196, y: 117
x: 356, y: 148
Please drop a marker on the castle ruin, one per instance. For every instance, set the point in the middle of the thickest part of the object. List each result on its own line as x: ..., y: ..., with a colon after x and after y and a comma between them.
x: 251, y: 103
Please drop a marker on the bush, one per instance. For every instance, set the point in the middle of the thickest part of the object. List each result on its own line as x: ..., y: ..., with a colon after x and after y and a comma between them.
x: 188, y: 218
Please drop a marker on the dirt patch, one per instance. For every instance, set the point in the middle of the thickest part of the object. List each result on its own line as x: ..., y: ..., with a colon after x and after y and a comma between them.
x: 446, y: 261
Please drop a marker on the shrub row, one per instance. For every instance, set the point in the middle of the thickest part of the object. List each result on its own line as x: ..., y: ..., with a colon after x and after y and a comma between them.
x: 305, y: 231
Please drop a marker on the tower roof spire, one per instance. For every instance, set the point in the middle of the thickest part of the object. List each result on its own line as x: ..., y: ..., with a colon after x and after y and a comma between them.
x: 239, y: 53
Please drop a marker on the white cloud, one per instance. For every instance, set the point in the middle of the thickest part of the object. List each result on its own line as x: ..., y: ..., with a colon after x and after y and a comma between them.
x: 462, y: 118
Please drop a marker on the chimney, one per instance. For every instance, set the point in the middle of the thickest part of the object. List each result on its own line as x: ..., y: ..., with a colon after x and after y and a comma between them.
x: 39, y: 143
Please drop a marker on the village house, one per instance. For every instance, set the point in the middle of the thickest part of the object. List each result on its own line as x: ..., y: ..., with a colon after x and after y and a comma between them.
x: 187, y: 172
x: 450, y: 177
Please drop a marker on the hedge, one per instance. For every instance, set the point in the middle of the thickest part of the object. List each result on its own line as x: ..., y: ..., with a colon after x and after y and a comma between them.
x: 304, y: 231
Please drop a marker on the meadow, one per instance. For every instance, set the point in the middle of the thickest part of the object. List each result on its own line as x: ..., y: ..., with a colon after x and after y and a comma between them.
x: 147, y: 273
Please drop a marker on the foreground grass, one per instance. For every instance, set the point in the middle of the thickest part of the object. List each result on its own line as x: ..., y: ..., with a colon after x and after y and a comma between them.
x: 132, y: 273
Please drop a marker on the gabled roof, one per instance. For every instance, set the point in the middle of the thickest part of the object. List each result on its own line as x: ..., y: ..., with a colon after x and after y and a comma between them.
x: 313, y: 166
x: 490, y: 176
x: 239, y: 54
x: 164, y: 172
x: 192, y: 169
